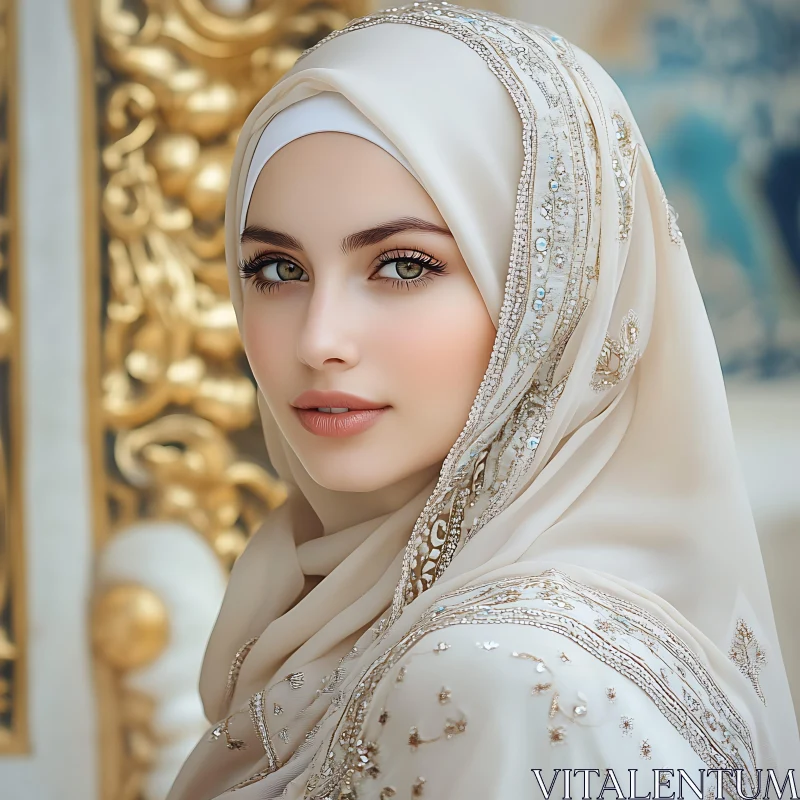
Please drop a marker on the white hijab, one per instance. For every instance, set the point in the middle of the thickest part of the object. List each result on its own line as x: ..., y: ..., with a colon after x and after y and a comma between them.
x: 599, y: 441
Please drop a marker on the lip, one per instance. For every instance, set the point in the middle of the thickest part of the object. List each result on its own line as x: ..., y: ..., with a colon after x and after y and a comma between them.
x: 348, y: 423
x: 316, y: 399
x: 363, y: 413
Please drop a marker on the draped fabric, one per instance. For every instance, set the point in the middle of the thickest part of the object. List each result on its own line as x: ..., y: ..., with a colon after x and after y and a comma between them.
x: 596, y: 470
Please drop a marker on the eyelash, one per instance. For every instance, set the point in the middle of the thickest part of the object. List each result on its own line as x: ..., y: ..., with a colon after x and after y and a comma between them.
x: 250, y: 269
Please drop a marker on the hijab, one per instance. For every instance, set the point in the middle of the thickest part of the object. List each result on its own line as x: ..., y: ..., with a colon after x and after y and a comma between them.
x: 599, y: 441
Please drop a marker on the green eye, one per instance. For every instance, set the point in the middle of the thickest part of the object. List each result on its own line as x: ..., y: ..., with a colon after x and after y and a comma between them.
x: 405, y: 269
x: 284, y: 271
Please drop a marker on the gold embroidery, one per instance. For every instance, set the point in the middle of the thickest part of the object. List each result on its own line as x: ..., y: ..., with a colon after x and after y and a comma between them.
x: 454, y: 727
x: 296, y: 679
x: 553, y: 706
x: 417, y: 787
x: 748, y: 655
x: 231, y: 742
x: 444, y: 695
x: 387, y: 792
x: 645, y: 750
x: 540, y: 688
x: 258, y: 718
x: 557, y: 735
x: 236, y: 666
x: 624, y: 166
x: 611, y: 694
x: 626, y: 725
x: 618, y: 357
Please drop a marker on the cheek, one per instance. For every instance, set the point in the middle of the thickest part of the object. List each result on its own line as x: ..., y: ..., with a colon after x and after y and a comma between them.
x: 440, y: 354
x: 267, y: 346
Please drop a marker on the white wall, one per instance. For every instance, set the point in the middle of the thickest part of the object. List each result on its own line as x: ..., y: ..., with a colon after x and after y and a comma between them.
x: 58, y: 537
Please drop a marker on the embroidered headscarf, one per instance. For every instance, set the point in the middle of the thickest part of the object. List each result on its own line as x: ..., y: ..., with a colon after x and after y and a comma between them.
x: 599, y: 441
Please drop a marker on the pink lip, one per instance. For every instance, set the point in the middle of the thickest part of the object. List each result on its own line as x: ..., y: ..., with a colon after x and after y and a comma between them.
x: 348, y: 423
x: 363, y: 413
x: 316, y: 399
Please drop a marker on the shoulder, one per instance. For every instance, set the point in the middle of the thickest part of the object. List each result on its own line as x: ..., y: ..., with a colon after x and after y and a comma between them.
x: 497, y: 681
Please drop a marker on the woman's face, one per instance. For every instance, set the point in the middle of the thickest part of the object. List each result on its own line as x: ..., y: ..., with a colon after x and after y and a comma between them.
x: 352, y: 283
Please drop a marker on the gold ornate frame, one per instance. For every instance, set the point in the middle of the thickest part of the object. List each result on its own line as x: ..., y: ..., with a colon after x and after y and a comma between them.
x: 13, y: 640
x: 174, y: 430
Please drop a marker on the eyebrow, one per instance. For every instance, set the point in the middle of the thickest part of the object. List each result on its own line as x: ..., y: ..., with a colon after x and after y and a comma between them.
x: 365, y: 238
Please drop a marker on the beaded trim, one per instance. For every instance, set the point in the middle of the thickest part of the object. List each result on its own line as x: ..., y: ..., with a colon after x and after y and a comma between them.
x: 236, y: 666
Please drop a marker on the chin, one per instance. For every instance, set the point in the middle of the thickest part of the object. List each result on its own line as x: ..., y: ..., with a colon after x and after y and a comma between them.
x: 351, y: 473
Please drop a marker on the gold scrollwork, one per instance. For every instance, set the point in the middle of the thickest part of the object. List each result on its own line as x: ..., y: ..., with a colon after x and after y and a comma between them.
x: 13, y: 645
x: 175, y: 433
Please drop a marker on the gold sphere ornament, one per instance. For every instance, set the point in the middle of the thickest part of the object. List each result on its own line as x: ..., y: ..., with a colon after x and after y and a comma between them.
x: 130, y: 626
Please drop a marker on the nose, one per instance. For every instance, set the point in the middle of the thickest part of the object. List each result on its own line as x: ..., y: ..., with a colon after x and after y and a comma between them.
x: 328, y: 334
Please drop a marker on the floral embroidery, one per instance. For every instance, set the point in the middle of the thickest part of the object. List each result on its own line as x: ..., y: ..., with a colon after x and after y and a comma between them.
x: 618, y: 357
x: 557, y: 735
x: 626, y: 725
x: 387, y: 792
x: 444, y: 695
x: 611, y: 694
x: 645, y: 750
x: 748, y: 655
x: 417, y: 787
x: 540, y: 688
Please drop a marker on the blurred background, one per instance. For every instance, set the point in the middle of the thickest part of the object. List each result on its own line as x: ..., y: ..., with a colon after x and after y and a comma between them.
x: 132, y: 469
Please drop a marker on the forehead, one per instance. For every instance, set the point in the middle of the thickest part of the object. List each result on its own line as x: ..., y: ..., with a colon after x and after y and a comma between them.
x: 334, y: 176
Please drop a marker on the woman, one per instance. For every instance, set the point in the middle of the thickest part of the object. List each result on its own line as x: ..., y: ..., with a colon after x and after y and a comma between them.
x: 525, y: 547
